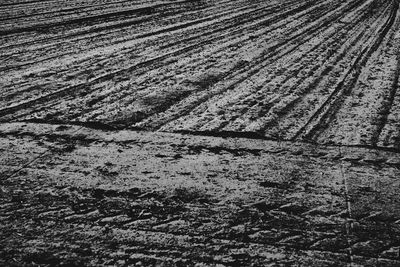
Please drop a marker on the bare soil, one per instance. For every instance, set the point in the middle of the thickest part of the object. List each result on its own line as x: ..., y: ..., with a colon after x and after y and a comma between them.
x: 199, y: 133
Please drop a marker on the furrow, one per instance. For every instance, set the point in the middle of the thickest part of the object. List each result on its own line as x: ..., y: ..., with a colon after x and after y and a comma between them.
x: 324, y: 113
x: 113, y: 74
x: 222, y: 19
x: 255, y: 103
x: 115, y: 14
x: 278, y: 50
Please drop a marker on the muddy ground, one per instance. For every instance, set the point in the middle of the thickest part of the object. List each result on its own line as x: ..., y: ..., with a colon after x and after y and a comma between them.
x: 199, y: 133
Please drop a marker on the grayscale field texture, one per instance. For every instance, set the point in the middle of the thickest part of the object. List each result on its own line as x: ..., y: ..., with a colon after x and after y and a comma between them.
x: 199, y: 133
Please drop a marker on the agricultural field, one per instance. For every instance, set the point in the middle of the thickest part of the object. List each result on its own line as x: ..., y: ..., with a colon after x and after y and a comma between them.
x: 199, y: 133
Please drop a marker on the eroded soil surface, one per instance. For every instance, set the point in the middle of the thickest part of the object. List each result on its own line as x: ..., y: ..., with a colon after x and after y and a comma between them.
x: 199, y: 133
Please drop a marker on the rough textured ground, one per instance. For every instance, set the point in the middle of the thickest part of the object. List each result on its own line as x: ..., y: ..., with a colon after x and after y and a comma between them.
x: 72, y: 195
x: 199, y: 133
x: 281, y: 69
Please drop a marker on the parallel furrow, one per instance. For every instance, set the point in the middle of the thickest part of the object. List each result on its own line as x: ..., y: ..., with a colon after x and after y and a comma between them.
x: 274, y: 52
x: 251, y: 99
x: 324, y: 114
x: 124, y: 72
x: 218, y: 20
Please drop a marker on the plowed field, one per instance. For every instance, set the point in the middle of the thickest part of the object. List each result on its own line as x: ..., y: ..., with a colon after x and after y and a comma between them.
x: 326, y: 71
x: 199, y: 132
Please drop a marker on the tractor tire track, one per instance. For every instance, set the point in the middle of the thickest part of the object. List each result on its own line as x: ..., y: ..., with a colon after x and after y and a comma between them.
x: 107, y: 76
x: 273, y: 53
x: 325, y: 112
x: 261, y: 88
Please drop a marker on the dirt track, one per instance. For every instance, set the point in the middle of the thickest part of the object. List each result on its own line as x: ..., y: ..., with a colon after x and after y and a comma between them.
x: 73, y: 195
x: 204, y: 132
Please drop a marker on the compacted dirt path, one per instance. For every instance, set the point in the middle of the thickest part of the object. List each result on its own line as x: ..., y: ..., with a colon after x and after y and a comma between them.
x: 199, y: 133
x: 72, y: 195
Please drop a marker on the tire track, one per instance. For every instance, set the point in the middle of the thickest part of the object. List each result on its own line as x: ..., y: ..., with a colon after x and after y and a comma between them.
x: 324, y: 114
x: 324, y: 76
x: 91, y: 18
x: 120, y: 72
x: 389, y: 105
x: 99, y: 28
x: 24, y: 2
x: 219, y: 50
x: 181, y: 26
x: 59, y: 10
x: 249, y: 69
x: 162, y: 31
x: 263, y: 88
x: 362, y: 111
x: 80, y: 102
